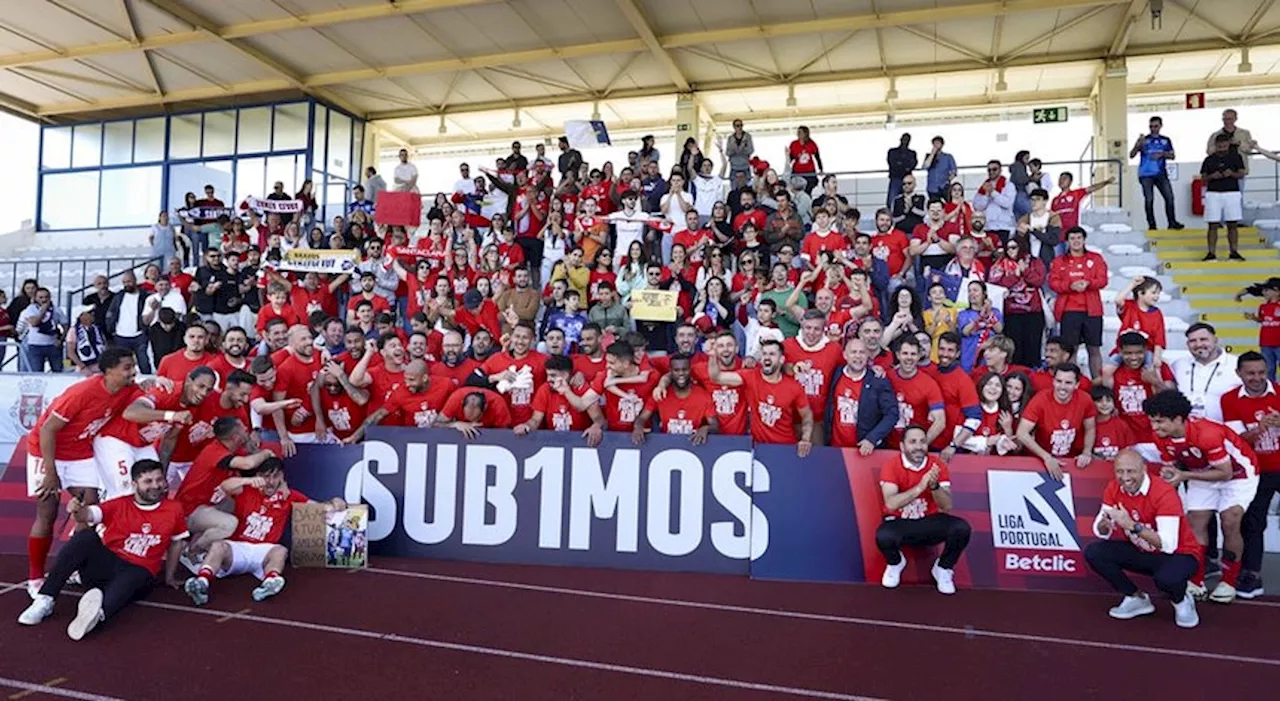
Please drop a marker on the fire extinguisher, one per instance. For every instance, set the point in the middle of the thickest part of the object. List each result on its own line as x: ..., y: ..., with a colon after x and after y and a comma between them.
x: 1197, y: 197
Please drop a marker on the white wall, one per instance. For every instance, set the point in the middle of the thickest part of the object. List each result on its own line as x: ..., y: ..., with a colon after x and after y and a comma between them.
x: 18, y: 153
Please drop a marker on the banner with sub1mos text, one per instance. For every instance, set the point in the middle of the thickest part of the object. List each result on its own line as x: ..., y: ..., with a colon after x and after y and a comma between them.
x: 548, y: 499
x: 1029, y: 530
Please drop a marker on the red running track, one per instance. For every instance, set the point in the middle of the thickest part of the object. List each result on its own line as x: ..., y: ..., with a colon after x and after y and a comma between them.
x: 441, y: 630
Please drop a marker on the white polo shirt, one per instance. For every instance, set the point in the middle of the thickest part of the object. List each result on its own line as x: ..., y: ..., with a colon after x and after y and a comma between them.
x: 1205, y: 383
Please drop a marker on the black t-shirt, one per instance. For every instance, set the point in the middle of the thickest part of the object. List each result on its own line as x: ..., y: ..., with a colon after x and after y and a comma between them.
x: 1218, y: 162
x: 821, y: 200
x: 904, y: 206
x: 204, y: 276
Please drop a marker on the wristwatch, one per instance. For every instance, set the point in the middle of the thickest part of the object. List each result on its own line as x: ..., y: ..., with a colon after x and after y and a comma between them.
x: 1137, y: 529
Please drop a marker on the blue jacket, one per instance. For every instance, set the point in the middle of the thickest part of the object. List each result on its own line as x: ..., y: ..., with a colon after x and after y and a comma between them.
x: 877, y: 407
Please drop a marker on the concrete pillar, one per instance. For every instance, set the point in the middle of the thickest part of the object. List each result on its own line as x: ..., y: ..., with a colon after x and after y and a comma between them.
x: 688, y: 121
x: 371, y: 148
x: 1110, y: 108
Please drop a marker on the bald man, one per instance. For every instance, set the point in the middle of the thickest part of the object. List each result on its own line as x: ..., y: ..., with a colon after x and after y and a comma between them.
x: 1144, y: 529
x: 294, y: 376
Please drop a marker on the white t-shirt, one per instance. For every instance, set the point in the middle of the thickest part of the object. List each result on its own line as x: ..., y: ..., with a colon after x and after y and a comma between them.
x: 173, y: 300
x: 679, y: 204
x: 127, y: 323
x: 406, y: 173
x: 466, y: 186
x: 629, y: 227
x: 1205, y: 383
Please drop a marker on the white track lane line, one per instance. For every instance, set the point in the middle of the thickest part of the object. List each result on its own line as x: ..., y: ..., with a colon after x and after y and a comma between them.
x: 42, y: 689
x: 849, y: 620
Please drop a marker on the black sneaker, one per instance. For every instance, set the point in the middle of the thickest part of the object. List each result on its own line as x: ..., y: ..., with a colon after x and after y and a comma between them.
x: 1249, y: 585
x: 1235, y: 255
x: 1177, y: 226
x: 1210, y: 256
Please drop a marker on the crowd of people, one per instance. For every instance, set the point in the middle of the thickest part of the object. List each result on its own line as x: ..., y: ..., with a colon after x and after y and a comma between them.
x: 953, y: 326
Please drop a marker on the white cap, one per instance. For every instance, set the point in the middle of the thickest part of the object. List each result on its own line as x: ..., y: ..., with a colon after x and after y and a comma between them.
x: 82, y: 309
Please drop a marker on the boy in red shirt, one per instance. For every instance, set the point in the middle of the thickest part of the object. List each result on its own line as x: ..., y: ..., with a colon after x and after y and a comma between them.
x: 1268, y: 315
x: 1112, y: 434
x: 1060, y: 425
x: 916, y: 488
x: 1067, y: 202
x: 1136, y: 307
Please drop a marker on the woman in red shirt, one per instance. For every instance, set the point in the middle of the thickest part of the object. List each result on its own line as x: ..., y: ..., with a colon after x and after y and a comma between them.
x: 803, y: 158
x: 958, y: 213
x: 1023, y: 275
x: 601, y: 271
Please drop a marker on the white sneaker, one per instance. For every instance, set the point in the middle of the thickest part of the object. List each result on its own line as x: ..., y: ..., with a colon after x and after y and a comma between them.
x: 893, y: 573
x: 269, y: 588
x: 946, y: 579
x: 1133, y: 606
x: 1223, y: 593
x: 34, y: 586
x: 1196, y: 591
x: 198, y: 589
x: 1184, y: 613
x: 39, y: 610
x: 88, y: 615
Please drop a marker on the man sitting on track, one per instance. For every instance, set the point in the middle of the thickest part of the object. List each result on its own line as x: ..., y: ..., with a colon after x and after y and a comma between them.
x: 263, y: 503
x: 1144, y: 530
x: 138, y: 534
x: 201, y: 496
x: 917, y: 495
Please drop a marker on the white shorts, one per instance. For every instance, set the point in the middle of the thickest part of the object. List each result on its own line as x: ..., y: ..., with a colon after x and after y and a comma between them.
x: 1220, y: 496
x: 246, y: 558
x: 177, y: 472
x: 1222, y: 207
x: 303, y: 438
x: 72, y: 473
x: 115, y: 460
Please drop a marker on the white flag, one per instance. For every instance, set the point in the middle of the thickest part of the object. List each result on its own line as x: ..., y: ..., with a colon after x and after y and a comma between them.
x: 586, y: 134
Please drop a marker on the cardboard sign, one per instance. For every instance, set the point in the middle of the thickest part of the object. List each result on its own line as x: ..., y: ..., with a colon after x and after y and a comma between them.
x: 654, y: 305
x: 322, y: 538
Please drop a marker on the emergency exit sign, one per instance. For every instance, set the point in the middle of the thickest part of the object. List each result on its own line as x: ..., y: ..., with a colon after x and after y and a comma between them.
x: 1048, y: 115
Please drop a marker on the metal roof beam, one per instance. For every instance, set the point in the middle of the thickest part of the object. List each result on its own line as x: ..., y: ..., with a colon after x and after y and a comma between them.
x: 1258, y: 14
x: 1125, y: 31
x: 146, y: 55
x: 641, y: 25
x: 1064, y: 27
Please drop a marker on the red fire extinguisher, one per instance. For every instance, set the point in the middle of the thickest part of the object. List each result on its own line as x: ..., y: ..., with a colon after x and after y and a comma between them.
x: 1197, y: 197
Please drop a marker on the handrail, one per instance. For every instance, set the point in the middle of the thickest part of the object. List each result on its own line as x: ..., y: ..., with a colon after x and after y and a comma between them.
x: 134, y: 266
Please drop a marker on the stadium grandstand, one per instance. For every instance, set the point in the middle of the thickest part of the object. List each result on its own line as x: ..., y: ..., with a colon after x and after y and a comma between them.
x: 723, y: 310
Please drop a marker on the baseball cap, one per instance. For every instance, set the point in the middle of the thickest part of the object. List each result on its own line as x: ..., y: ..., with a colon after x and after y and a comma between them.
x: 472, y: 299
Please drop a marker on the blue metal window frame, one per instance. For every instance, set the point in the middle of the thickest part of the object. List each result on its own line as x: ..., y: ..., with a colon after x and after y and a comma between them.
x: 165, y: 163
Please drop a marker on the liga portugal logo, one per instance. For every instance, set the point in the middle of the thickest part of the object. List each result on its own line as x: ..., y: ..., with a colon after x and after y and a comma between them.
x: 30, y: 402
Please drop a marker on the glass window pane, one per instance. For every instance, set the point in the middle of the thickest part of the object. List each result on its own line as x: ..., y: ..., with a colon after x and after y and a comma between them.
x: 192, y: 177
x: 69, y: 201
x: 56, y: 148
x: 281, y: 169
x: 86, y: 146
x: 335, y: 201
x: 184, y: 136
x: 339, y: 162
x: 255, y: 130
x: 318, y: 146
x: 357, y: 152
x: 130, y: 196
x: 220, y: 133
x: 117, y: 143
x: 250, y: 177
x: 149, y: 140
x: 290, y: 131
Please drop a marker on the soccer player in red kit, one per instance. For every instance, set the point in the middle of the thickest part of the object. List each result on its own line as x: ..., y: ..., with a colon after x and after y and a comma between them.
x: 200, y: 495
x: 557, y: 406
x: 1253, y: 411
x: 687, y: 410
x: 916, y: 488
x: 729, y: 402
x: 624, y: 389
x: 294, y: 377
x: 1056, y: 352
x: 1221, y: 474
x: 960, y: 400
x: 1134, y: 382
x: 453, y: 366
x: 139, y: 535
x: 1143, y: 529
x: 517, y: 372
x: 177, y: 365
x: 383, y: 372
x: 919, y: 397
x: 416, y: 403
x: 63, y: 438
x: 776, y: 402
x: 182, y: 444
x: 814, y: 359
x: 470, y: 409
x: 340, y: 406
x: 234, y: 355
x: 263, y: 505
x: 589, y: 361
x: 1064, y: 420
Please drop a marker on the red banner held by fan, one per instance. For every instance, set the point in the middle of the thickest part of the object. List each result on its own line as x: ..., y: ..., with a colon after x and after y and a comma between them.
x: 399, y: 209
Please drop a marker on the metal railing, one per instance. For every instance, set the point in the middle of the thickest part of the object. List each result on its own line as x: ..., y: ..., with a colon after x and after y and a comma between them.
x: 124, y: 264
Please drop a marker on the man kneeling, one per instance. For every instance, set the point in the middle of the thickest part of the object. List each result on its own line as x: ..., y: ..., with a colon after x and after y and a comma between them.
x: 263, y: 503
x: 1144, y: 530
x: 138, y: 533
x: 917, y: 492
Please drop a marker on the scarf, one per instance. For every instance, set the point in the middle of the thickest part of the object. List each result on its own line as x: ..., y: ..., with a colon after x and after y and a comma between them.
x: 89, y: 343
x: 1000, y: 183
x: 277, y: 206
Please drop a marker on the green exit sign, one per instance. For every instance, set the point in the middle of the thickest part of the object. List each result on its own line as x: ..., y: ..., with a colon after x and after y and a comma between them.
x: 1048, y: 115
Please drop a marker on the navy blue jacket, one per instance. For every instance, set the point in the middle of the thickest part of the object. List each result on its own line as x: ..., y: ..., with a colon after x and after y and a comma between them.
x: 877, y: 407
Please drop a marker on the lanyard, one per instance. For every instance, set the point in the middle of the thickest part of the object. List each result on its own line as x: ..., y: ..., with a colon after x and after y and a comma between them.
x: 1208, y: 382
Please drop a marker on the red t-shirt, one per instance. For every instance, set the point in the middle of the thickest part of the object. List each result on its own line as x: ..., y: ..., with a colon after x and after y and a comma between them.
x: 341, y: 413
x: 682, y: 416
x: 1067, y: 206
x: 1112, y: 436
x: 203, y: 484
x: 379, y: 303
x: 269, y: 312
x: 294, y: 378
x: 383, y: 382
x: 620, y: 413
x: 419, y: 291
x: 182, y: 282
x: 496, y: 413
x: 416, y: 410
x: 520, y: 399
x: 557, y: 413
x: 891, y: 248
x: 823, y: 364
x: 1042, y: 381
x: 802, y: 156
x: 1242, y: 412
x: 1149, y: 323
x: 917, y: 396
x: 139, y: 435
x: 1269, y: 334
x: 1060, y: 427
x: 222, y: 368
x: 729, y: 402
x: 1207, y: 442
x: 87, y: 407
x: 844, y: 419
x: 457, y: 374
x: 1131, y: 391
x: 897, y: 472
x: 588, y: 366
x: 306, y: 301
x: 815, y: 244
x: 192, y: 437
x: 176, y: 366
x: 774, y: 406
x: 263, y: 518
x: 959, y: 394
x: 1157, y: 501
x: 140, y: 535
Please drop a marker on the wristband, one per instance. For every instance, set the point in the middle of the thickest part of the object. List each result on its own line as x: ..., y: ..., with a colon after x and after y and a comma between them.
x: 1137, y: 529
x: 169, y: 415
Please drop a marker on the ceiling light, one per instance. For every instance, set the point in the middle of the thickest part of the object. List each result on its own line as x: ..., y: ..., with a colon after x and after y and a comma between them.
x: 444, y: 129
x: 1001, y: 86
x: 515, y: 121
x: 1245, y: 66
x: 595, y: 111
x: 892, y: 94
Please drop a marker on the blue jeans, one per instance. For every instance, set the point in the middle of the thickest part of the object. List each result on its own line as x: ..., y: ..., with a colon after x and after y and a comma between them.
x: 37, y: 356
x: 1149, y: 185
x: 895, y: 189
x: 138, y: 344
x: 1272, y: 355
